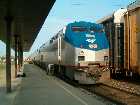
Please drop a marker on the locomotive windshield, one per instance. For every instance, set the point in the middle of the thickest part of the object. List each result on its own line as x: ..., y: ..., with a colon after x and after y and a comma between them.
x: 79, y: 29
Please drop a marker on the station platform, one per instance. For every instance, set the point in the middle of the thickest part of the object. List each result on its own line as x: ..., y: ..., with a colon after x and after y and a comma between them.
x: 40, y: 89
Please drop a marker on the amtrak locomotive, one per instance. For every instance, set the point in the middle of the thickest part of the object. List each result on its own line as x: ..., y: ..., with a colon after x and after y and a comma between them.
x: 73, y: 49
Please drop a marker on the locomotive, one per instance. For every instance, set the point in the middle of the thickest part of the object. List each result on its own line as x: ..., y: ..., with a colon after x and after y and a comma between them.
x: 73, y: 49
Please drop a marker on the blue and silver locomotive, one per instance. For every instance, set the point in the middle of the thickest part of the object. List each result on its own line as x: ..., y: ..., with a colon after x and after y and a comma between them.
x: 73, y: 48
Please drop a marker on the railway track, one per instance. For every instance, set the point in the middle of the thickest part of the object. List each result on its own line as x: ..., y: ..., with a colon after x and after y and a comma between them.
x: 116, y: 95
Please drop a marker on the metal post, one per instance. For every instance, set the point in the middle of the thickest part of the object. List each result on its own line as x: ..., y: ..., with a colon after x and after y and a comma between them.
x: 8, y: 20
x: 16, y: 55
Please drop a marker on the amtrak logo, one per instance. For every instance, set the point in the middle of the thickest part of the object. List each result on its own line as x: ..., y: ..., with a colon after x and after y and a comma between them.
x: 93, y: 46
x: 91, y: 40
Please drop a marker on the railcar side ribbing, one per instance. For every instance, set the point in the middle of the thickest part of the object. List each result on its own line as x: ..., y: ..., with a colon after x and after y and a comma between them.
x: 122, y: 29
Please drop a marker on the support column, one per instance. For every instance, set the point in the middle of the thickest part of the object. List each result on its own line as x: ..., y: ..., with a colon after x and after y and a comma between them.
x: 8, y: 20
x: 19, y: 57
x: 16, y: 45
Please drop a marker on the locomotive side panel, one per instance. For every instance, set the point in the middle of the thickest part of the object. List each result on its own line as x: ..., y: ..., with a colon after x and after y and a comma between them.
x: 68, y: 55
x: 51, y: 57
x: 49, y: 53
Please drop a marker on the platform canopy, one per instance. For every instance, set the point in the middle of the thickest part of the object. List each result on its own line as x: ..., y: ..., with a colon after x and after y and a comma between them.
x: 28, y: 18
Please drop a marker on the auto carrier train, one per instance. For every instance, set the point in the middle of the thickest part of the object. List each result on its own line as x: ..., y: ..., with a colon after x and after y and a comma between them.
x: 123, y: 33
x: 73, y: 49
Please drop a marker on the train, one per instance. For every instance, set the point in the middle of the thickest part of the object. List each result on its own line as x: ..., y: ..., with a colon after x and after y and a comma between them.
x: 114, y: 29
x: 75, y: 48
x: 132, y: 40
x: 122, y: 30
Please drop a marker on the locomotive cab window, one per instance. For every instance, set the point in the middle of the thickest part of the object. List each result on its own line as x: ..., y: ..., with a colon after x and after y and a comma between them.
x: 79, y: 29
x: 81, y: 58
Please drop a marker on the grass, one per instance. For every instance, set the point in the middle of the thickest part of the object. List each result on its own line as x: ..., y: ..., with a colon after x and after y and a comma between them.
x: 2, y: 72
x: 2, y: 67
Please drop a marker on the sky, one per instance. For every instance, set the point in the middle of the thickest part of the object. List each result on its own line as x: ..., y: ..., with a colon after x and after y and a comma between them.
x: 66, y: 11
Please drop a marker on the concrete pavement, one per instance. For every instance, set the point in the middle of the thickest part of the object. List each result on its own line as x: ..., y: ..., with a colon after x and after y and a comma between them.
x: 40, y: 89
x: 8, y: 99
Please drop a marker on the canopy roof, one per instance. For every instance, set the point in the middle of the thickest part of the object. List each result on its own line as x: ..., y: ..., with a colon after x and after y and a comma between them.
x: 28, y: 18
